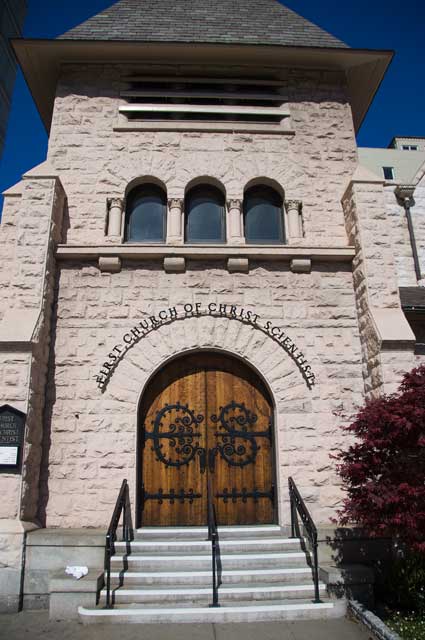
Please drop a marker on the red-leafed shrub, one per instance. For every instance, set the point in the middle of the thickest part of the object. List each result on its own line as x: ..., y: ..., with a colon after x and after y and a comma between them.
x: 383, y: 472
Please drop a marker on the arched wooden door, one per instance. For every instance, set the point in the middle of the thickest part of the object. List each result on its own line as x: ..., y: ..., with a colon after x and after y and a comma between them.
x: 206, y: 419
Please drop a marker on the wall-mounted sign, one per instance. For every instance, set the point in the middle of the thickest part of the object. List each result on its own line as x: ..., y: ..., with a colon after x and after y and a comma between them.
x: 12, y: 426
x: 180, y: 312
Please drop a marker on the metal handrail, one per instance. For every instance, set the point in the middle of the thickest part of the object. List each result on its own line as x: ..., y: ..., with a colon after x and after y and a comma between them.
x: 122, y: 507
x: 297, y: 505
x: 215, y: 548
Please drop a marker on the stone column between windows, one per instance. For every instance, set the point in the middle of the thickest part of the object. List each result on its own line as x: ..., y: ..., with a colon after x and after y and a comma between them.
x: 175, y: 221
x: 115, y: 208
x: 235, y: 234
x: 293, y: 209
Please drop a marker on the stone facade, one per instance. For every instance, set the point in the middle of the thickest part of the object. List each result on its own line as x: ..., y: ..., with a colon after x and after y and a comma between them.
x: 93, y: 434
x: 73, y: 288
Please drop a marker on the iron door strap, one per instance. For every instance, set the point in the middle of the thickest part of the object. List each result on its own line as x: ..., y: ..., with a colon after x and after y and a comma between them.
x: 172, y: 496
x: 233, y: 495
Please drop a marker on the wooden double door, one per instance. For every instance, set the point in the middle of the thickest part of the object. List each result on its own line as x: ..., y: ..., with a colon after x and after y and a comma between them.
x: 206, y: 429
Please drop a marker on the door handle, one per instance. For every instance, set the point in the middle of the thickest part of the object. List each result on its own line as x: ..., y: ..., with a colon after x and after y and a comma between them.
x: 211, y: 459
x: 202, y: 459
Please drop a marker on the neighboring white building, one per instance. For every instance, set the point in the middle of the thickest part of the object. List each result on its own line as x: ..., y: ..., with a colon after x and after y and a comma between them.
x: 395, y: 164
x: 200, y: 279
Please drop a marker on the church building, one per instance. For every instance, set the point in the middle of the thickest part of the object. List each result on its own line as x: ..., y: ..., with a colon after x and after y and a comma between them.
x: 200, y: 285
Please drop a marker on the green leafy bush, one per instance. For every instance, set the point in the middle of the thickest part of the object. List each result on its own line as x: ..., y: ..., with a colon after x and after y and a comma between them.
x: 405, y: 584
x: 408, y: 626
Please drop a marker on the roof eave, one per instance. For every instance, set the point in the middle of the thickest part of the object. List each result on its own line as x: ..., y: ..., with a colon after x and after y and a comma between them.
x: 41, y: 60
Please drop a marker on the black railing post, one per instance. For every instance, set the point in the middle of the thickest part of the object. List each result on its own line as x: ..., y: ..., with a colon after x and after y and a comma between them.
x: 215, y: 548
x: 214, y: 571
x: 297, y: 505
x: 108, y: 571
x: 316, y: 570
x: 293, y: 509
x: 122, y: 508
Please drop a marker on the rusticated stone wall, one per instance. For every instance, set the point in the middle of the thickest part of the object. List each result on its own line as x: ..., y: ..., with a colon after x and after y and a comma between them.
x: 92, y: 442
x: 95, y: 162
x: 387, y: 352
x: 31, y: 228
x: 369, y: 340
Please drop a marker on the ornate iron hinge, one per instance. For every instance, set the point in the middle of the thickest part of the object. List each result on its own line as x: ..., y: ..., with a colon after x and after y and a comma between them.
x: 180, y: 432
x: 237, y: 445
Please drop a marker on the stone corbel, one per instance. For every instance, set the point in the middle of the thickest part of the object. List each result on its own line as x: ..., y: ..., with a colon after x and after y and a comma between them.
x: 295, y: 228
x: 235, y: 233
x: 175, y: 221
x: 115, y: 214
x: 109, y: 264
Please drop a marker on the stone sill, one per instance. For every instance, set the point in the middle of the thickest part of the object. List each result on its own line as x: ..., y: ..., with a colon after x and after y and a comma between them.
x: 205, y: 252
x: 213, y: 127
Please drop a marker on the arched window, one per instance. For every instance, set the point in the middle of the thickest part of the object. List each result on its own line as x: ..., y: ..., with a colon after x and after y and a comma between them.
x: 145, y: 218
x: 263, y: 219
x: 204, y: 215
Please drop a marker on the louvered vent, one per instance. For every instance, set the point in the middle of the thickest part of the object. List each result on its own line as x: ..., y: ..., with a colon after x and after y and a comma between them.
x: 203, y: 100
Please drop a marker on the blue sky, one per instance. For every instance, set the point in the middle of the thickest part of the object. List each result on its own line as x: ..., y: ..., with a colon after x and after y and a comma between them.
x: 398, y: 108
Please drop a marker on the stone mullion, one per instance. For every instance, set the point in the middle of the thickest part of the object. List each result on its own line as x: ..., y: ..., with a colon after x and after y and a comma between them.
x: 115, y: 217
x: 235, y: 231
x: 293, y: 210
x: 175, y: 222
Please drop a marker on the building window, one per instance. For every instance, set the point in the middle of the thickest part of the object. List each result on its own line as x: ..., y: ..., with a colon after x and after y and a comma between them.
x: 263, y: 219
x: 388, y: 173
x: 145, y: 219
x: 204, y: 215
x: 409, y: 147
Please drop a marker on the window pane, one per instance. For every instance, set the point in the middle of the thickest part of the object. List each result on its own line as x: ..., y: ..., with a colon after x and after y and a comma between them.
x: 205, y: 215
x: 388, y: 173
x: 263, y: 216
x: 146, y: 215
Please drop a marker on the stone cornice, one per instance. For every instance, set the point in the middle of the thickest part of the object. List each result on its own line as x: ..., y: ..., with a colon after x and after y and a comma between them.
x: 205, y: 252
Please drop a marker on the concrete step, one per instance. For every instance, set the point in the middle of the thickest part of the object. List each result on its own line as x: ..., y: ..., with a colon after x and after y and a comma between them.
x: 227, y: 612
x: 195, y: 560
x: 199, y: 533
x: 201, y: 596
x: 204, y: 546
x: 289, y: 575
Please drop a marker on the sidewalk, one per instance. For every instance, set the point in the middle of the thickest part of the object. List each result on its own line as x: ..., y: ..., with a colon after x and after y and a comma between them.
x: 35, y: 625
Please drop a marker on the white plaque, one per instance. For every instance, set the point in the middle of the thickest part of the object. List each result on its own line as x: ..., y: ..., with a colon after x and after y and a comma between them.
x: 9, y: 455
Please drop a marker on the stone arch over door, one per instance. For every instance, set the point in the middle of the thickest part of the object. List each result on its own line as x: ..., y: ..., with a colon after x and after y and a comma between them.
x: 288, y: 389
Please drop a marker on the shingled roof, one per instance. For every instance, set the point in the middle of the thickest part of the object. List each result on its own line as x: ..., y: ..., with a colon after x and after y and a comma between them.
x: 265, y: 22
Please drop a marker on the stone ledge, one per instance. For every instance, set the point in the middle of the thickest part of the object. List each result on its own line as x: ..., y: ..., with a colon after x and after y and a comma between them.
x: 371, y: 621
x: 67, y: 593
x: 61, y: 582
x: 66, y: 537
x: 205, y: 252
x: 210, y: 127
x: 18, y: 326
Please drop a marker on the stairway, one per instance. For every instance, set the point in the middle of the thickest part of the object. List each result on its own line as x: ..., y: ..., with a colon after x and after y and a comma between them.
x: 167, y: 578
